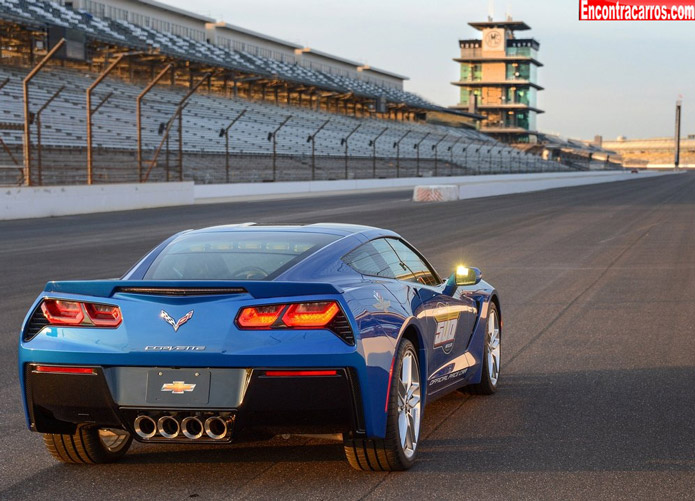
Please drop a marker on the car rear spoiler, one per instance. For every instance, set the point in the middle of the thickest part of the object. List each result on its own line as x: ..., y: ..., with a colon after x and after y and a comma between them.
x: 257, y: 289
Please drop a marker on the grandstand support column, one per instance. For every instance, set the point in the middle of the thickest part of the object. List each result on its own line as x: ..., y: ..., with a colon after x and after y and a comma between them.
x: 138, y: 114
x: 181, y: 142
x: 478, y: 155
x: 372, y: 143
x: 436, y: 153
x: 37, y: 118
x: 90, y: 111
x: 27, y: 114
x: 312, y: 139
x: 397, y: 145
x: 225, y: 132
x: 345, y: 142
x: 170, y: 123
x: 450, y: 149
x: 272, y: 136
x: 417, y: 147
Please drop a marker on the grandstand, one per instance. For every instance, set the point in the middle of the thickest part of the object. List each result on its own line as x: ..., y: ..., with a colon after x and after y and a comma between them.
x: 291, y: 112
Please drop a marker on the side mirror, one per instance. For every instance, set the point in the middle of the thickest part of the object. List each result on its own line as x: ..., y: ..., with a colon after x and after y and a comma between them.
x: 467, y: 276
x: 462, y: 276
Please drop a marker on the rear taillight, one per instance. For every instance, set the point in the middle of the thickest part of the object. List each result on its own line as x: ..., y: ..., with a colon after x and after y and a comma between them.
x: 103, y: 315
x: 259, y: 317
x: 72, y: 313
x: 309, y: 315
x: 59, y: 312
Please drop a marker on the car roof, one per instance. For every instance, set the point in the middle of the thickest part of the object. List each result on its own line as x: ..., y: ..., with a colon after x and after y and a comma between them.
x: 331, y: 228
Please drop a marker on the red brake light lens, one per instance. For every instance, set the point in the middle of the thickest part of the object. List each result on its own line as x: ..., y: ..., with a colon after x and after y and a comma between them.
x: 103, y: 315
x: 259, y: 317
x: 317, y: 314
x: 59, y: 312
x: 54, y: 369
x: 300, y: 373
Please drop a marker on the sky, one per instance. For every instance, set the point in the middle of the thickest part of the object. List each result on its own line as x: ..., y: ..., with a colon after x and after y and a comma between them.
x: 601, y: 78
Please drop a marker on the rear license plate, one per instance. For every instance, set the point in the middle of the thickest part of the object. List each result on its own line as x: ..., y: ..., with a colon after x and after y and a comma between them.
x: 178, y: 387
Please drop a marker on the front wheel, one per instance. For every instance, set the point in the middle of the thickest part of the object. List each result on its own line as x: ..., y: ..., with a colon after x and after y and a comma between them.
x: 492, y: 352
x: 397, y: 451
x: 88, y: 445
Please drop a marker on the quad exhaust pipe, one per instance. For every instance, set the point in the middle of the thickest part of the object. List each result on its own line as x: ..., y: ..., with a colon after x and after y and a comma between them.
x: 168, y: 427
x: 215, y: 428
x: 191, y: 427
x: 145, y: 427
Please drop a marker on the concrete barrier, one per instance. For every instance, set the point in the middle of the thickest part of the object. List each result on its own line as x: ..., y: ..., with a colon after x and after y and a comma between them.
x: 440, y: 193
x: 21, y: 203
x: 523, y: 183
x: 27, y: 202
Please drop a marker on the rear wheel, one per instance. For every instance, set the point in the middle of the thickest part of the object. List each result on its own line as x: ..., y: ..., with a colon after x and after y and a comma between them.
x: 88, y: 445
x: 491, y: 356
x: 397, y: 451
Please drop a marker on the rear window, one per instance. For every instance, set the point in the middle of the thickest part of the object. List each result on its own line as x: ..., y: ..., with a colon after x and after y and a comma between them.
x: 232, y: 255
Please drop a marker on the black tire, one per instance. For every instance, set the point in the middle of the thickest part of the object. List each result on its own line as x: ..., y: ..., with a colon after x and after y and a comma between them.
x: 387, y: 454
x: 86, y: 446
x: 487, y: 385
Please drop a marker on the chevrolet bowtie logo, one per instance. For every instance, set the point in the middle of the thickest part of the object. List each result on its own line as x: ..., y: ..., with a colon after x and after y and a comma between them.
x: 178, y: 387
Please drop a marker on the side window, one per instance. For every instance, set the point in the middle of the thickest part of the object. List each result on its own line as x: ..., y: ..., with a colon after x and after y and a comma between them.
x: 420, y: 271
x: 390, y: 258
x: 369, y: 259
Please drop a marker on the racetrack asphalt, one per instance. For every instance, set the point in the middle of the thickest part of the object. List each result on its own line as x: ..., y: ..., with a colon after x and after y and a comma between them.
x: 597, y: 393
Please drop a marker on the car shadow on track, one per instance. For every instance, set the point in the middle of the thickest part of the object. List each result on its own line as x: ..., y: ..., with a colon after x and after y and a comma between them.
x: 623, y: 420
x: 591, y: 421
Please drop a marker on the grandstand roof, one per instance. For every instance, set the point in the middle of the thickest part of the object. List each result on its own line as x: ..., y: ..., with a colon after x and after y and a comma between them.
x: 41, y: 13
x: 360, y: 66
x: 256, y: 34
x: 176, y: 10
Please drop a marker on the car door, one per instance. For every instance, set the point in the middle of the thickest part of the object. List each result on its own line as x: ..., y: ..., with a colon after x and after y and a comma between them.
x: 449, y: 321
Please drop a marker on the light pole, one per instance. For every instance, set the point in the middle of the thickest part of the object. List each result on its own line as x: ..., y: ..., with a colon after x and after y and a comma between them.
x: 417, y: 147
x: 436, y: 153
x: 345, y: 142
x: 272, y: 136
x: 312, y: 140
x: 372, y: 143
x: 225, y: 132
x: 397, y: 145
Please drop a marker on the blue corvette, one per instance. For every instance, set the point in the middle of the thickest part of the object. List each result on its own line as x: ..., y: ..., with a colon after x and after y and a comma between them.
x: 247, y: 330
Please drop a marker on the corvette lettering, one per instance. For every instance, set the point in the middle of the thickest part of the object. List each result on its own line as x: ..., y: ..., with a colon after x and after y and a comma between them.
x: 174, y: 348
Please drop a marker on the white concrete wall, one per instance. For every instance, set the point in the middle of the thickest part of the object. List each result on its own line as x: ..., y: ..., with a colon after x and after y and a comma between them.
x: 469, y: 186
x: 22, y: 203
x: 521, y: 183
x: 28, y: 202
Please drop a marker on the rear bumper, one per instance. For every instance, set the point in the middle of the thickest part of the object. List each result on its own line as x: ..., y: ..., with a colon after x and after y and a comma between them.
x: 275, y: 400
